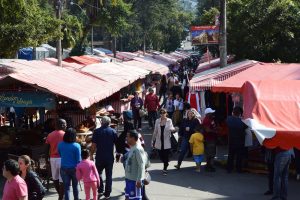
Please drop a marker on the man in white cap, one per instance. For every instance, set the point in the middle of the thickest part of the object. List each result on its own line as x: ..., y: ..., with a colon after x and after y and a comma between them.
x: 210, y: 138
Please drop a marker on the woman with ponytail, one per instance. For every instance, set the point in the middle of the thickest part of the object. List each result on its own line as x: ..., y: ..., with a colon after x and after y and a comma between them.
x: 36, y: 190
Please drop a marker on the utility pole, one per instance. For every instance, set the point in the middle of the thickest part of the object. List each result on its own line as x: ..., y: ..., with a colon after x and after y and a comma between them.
x: 92, y: 40
x: 223, y: 34
x: 59, y: 7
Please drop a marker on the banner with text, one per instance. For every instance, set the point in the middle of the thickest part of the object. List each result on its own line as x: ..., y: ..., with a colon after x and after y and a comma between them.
x: 204, y: 35
x: 27, y: 99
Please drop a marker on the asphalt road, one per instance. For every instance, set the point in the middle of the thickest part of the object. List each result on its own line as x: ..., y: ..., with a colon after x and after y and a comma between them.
x: 189, y: 185
x: 186, y: 184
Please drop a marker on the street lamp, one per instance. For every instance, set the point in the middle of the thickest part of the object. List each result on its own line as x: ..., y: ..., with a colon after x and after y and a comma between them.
x: 92, y: 33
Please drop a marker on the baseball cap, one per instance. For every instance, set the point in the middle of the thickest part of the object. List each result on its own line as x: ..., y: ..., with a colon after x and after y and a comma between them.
x: 209, y: 110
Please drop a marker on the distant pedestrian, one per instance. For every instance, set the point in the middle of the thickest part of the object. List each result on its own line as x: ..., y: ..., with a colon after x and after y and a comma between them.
x: 297, y: 163
x: 152, y: 104
x: 135, y: 168
x: 15, y: 187
x: 104, y: 140
x: 53, y: 139
x: 163, y: 87
x: 270, y: 159
x: 36, y: 190
x: 210, y: 138
x: 281, y: 174
x: 178, y: 110
x: 187, y: 128
x: 136, y: 105
x: 87, y: 171
x: 161, y: 138
x: 197, y: 147
x: 70, y: 153
x: 168, y: 104
x: 236, y: 140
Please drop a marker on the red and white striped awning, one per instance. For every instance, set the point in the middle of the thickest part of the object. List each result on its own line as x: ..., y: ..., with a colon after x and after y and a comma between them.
x: 209, y: 78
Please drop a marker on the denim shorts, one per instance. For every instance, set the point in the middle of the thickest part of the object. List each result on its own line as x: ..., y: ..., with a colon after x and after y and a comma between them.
x: 198, y: 158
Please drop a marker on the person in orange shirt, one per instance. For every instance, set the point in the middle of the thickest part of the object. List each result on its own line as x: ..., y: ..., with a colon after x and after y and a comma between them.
x: 53, y: 139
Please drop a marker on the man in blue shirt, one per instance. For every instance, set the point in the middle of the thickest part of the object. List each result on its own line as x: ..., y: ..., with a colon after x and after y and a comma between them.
x: 104, y: 139
x: 236, y: 139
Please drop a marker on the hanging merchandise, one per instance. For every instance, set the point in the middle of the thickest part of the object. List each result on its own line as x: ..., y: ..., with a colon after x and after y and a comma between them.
x: 193, y: 99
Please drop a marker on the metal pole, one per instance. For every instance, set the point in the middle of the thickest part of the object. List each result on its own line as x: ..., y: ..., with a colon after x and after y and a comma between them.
x: 223, y: 35
x: 92, y: 40
x: 58, y: 43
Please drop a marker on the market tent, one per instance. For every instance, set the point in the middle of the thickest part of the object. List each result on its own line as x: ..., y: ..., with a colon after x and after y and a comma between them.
x: 207, y: 79
x: 118, y: 74
x: 260, y: 71
x: 83, y: 60
x: 66, y: 82
x: 151, y: 67
x: 165, y: 58
x: 149, y: 58
x: 272, y: 111
x: 215, y: 62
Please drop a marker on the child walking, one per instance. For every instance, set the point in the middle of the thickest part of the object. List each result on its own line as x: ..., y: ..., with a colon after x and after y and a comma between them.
x: 87, y: 171
x: 197, y: 147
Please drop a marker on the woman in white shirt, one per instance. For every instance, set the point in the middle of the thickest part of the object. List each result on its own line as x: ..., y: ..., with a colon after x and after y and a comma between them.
x: 161, y: 138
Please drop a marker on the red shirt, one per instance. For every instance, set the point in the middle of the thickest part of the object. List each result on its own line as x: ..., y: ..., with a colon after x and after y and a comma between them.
x: 151, y: 102
x: 53, y: 140
x: 209, y: 123
x: 15, y: 189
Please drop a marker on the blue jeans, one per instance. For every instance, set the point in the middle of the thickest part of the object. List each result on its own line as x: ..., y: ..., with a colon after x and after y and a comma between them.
x: 185, y: 145
x: 68, y: 175
x: 297, y: 160
x: 281, y: 173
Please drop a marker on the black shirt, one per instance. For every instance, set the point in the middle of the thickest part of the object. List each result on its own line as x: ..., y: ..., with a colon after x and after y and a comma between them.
x: 162, y: 139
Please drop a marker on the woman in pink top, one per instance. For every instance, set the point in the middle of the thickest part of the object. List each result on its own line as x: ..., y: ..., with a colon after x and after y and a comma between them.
x: 87, y: 171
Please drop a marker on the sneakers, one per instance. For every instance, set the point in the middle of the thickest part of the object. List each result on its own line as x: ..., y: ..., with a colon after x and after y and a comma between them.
x: 100, y: 195
x: 108, y: 197
x: 165, y: 172
x: 139, y: 129
x: 177, y: 167
x: 298, y: 177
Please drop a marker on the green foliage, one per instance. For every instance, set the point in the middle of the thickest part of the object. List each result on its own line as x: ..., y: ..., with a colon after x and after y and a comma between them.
x: 265, y: 30
x: 24, y: 23
x: 162, y: 23
x: 209, y: 16
x: 72, y: 30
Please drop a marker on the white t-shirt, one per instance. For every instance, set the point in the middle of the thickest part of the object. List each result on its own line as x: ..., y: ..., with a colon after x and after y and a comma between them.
x: 178, y: 104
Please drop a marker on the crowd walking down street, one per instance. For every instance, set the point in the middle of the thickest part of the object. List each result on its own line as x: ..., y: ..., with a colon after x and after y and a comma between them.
x: 197, y: 143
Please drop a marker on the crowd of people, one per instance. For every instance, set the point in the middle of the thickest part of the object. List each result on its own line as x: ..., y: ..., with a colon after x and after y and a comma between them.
x: 198, y: 137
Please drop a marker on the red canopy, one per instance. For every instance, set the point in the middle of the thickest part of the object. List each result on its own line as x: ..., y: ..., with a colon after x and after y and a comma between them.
x: 260, y: 71
x: 83, y: 60
x: 64, y: 81
x: 208, y: 78
x: 272, y: 110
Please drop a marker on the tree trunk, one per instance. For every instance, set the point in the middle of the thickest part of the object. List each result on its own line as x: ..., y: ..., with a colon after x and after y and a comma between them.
x: 115, y: 47
x: 144, y: 44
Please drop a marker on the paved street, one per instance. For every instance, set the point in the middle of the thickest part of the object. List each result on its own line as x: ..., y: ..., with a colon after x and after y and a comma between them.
x: 189, y: 185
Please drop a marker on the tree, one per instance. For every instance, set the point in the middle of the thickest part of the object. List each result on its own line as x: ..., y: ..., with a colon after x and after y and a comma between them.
x: 23, y: 24
x: 209, y: 16
x: 265, y: 30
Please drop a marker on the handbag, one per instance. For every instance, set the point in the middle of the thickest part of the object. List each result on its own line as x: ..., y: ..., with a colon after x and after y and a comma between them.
x: 142, y: 112
x: 147, y: 179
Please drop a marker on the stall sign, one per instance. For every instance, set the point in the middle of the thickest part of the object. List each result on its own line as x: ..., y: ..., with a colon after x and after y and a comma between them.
x: 204, y: 35
x: 27, y: 99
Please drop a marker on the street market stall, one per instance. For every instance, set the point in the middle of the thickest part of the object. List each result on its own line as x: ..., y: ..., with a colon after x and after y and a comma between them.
x: 271, y: 110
